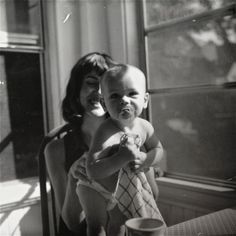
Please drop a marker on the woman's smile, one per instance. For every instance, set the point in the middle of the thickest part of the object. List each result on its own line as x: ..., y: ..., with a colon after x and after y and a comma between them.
x: 94, y: 99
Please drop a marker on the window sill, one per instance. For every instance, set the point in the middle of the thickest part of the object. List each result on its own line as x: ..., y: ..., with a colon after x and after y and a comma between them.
x: 17, y: 194
x: 199, y: 197
x: 194, y: 185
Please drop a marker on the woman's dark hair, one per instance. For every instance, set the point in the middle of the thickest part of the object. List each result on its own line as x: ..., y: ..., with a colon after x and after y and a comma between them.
x: 92, y: 62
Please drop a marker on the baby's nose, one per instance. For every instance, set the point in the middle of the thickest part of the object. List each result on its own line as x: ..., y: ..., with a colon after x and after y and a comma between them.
x: 124, y: 100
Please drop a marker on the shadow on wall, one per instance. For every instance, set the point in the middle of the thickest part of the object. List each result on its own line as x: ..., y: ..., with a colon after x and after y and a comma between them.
x: 30, y: 224
x: 20, y: 212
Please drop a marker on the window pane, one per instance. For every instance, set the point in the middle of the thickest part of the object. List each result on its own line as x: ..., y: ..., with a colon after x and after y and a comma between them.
x: 198, y: 130
x: 20, y: 22
x: 21, y: 126
x: 193, y: 53
x: 159, y: 11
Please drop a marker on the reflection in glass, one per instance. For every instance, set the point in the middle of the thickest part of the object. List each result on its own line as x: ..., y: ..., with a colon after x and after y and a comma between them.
x: 7, y: 164
x: 20, y: 22
x: 195, y: 53
x: 22, y: 118
x: 160, y: 11
x: 198, y: 130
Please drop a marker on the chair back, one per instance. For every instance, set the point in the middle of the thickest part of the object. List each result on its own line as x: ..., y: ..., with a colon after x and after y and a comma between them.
x: 55, y: 133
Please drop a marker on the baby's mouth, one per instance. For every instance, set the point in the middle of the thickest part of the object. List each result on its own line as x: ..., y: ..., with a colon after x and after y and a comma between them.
x: 125, y: 109
x: 126, y: 112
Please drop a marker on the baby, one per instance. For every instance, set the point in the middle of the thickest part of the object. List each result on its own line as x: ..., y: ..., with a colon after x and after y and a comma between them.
x: 115, y: 163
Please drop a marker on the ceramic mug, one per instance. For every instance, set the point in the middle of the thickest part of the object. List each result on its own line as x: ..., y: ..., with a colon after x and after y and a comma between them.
x: 144, y: 227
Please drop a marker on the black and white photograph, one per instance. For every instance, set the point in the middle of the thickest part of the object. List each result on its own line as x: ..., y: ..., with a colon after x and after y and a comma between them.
x: 117, y: 117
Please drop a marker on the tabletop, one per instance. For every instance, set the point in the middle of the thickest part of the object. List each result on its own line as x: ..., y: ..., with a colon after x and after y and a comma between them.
x: 221, y: 222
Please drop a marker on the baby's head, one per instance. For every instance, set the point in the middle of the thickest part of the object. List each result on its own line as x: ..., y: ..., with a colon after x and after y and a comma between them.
x: 124, y: 91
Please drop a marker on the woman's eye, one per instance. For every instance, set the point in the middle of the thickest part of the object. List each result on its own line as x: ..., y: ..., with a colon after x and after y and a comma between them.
x: 114, y: 96
x: 90, y: 83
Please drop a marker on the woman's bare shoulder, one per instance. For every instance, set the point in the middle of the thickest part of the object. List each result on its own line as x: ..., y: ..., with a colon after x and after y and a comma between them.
x: 54, y: 147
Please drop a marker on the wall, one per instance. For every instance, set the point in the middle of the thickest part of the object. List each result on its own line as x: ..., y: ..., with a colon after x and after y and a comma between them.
x: 20, y: 212
x: 183, y: 200
x: 74, y: 28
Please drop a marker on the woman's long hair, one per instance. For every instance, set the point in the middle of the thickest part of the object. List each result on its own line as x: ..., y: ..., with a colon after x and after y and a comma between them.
x: 92, y: 62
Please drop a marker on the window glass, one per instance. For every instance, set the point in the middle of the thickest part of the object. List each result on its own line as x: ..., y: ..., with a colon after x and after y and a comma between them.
x: 21, y: 126
x: 191, y: 67
x: 194, y: 53
x: 198, y: 131
x: 20, y: 23
x: 160, y: 11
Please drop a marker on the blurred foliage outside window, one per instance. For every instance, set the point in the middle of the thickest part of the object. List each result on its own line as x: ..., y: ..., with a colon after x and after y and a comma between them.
x: 191, y: 52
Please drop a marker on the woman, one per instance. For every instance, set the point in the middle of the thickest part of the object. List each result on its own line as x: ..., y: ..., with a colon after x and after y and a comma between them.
x: 82, y: 109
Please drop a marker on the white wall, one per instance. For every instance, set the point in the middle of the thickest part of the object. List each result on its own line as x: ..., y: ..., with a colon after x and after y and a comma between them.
x: 20, y: 211
x: 76, y: 27
x: 181, y: 200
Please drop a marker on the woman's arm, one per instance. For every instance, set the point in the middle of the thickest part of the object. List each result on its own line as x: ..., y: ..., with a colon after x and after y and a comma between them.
x: 55, y: 162
x: 72, y: 212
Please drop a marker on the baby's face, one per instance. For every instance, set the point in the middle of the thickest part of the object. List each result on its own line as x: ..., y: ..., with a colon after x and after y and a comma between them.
x: 125, y: 96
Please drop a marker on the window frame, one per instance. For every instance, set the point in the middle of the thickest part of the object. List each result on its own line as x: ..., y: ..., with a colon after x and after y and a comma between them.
x: 145, y: 30
x: 40, y: 51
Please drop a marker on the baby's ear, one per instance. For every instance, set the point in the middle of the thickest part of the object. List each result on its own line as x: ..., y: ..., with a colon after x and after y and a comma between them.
x: 103, y: 104
x: 146, y: 99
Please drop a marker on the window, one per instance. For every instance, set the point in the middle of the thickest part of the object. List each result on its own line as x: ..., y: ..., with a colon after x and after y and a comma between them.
x: 21, y: 106
x: 190, y: 49
x: 20, y: 24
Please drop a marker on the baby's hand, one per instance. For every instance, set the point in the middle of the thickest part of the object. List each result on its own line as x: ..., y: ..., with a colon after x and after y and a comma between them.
x: 139, y: 163
x: 130, y: 139
x: 129, y: 151
x: 129, y: 145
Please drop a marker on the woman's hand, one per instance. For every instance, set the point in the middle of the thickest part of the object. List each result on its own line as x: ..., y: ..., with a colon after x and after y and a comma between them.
x: 78, y: 169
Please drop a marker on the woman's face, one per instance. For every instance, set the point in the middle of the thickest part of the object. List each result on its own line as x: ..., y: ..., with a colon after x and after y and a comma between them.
x: 90, y: 95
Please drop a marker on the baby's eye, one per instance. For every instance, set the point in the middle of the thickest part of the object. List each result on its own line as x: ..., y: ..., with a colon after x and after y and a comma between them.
x: 133, y: 94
